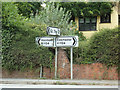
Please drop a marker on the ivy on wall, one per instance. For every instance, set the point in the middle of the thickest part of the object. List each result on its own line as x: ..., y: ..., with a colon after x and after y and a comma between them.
x: 87, y: 8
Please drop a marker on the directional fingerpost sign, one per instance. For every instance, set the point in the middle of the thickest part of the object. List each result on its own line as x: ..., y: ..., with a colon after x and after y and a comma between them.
x: 53, y: 31
x: 67, y: 41
x: 64, y: 41
x: 45, y: 41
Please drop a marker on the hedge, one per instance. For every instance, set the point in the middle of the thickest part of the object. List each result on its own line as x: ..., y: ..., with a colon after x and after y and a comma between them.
x: 102, y: 47
x: 19, y: 50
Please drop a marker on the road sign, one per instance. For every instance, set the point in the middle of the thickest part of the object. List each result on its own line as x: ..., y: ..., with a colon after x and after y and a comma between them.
x: 45, y: 41
x: 67, y: 41
x: 36, y: 40
x: 53, y: 31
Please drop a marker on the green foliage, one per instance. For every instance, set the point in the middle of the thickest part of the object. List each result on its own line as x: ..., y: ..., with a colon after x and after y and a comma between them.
x: 18, y: 38
x: 80, y: 35
x: 6, y: 44
x: 19, y: 50
x: 28, y: 8
x: 79, y: 52
x: 102, y: 47
x: 54, y: 16
x: 80, y: 56
x: 10, y: 17
x: 87, y: 9
x: 23, y: 53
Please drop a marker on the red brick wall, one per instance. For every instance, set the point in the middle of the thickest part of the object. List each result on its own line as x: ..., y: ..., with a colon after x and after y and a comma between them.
x: 20, y: 74
x: 94, y: 71
x: 63, y: 65
x: 46, y: 72
x: 83, y: 71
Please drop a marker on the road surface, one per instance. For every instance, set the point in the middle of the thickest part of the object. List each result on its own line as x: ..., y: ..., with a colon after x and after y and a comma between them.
x: 55, y: 86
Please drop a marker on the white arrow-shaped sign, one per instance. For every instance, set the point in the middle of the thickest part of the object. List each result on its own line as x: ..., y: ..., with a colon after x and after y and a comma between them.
x: 67, y: 41
x: 45, y: 41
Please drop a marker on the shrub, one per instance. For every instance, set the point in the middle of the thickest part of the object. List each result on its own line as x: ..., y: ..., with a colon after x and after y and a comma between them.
x: 10, y: 17
x: 55, y: 16
x: 24, y: 53
x: 80, y: 35
x: 79, y: 52
x: 104, y: 47
x: 19, y: 50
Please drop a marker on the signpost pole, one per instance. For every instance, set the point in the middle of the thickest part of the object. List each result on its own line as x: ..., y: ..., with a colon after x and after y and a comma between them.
x: 66, y: 41
x: 40, y: 71
x: 71, y: 55
x: 55, y: 62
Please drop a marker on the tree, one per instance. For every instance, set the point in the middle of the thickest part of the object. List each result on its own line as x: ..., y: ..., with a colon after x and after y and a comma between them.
x: 87, y: 8
x: 19, y: 50
x: 10, y: 17
x: 55, y: 16
x: 28, y: 8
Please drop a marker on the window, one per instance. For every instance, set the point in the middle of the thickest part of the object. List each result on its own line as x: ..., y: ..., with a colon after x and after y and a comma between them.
x: 87, y: 23
x: 105, y: 18
x: 119, y: 19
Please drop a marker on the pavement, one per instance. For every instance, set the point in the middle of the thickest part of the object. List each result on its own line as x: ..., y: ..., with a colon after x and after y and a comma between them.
x: 10, y: 83
x: 58, y: 82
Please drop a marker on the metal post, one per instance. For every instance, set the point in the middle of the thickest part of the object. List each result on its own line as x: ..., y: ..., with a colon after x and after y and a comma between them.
x: 55, y: 62
x: 41, y: 72
x: 71, y: 55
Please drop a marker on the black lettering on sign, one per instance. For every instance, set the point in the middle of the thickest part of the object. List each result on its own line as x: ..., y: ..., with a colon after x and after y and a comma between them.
x: 64, y: 39
x: 60, y: 42
x: 46, y: 39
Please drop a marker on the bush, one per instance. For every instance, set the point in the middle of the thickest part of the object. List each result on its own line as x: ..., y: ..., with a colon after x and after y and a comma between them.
x: 10, y: 17
x: 79, y: 52
x: 80, y: 35
x: 104, y: 47
x: 24, y: 53
x: 19, y: 50
x: 55, y: 16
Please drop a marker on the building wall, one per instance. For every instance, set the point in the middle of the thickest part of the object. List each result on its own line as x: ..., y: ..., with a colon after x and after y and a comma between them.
x: 118, y: 8
x: 114, y: 20
x: 99, y: 26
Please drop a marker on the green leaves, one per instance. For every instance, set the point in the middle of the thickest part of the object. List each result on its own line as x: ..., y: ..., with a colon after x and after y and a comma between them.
x: 19, y: 50
x: 55, y: 16
x: 10, y: 17
x: 102, y: 47
x: 28, y: 8
x: 87, y: 9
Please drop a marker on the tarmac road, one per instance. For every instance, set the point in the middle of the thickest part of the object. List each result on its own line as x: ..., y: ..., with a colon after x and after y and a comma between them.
x: 56, y: 86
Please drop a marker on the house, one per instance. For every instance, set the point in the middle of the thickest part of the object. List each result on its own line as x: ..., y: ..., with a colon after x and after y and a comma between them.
x: 90, y: 25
